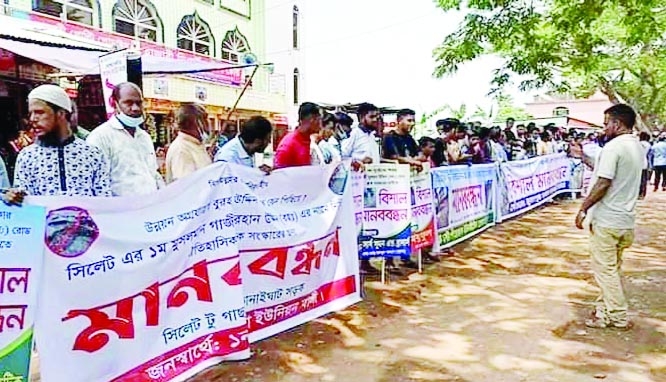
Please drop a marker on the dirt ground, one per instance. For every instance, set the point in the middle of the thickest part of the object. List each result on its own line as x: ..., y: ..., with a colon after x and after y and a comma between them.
x: 508, y: 306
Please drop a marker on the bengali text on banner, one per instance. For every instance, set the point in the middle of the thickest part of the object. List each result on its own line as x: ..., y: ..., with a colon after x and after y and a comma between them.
x: 464, y: 199
x: 160, y: 288
x: 423, y: 210
x: 21, y: 254
x: 386, y: 212
x: 299, y: 261
x: 525, y: 185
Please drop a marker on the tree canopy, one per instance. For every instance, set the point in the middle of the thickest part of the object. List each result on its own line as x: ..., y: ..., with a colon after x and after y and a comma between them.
x: 575, y: 47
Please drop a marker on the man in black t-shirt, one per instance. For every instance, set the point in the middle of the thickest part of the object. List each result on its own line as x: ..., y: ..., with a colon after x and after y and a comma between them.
x: 399, y: 145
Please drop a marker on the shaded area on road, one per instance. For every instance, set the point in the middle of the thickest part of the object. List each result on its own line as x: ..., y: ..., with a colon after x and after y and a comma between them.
x: 508, y: 306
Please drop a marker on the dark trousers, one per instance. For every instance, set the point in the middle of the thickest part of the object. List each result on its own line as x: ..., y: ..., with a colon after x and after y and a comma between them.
x: 645, y: 176
x: 659, y: 176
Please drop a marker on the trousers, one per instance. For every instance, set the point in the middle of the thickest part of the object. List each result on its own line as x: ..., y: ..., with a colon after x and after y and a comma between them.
x: 606, y: 247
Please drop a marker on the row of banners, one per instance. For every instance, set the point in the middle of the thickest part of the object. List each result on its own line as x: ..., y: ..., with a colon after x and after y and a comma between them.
x: 160, y: 288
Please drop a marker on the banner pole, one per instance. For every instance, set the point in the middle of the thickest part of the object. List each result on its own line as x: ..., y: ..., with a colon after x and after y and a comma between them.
x: 383, y: 270
x: 419, y: 255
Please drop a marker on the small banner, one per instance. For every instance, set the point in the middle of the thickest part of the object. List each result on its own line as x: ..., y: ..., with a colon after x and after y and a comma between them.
x: 387, y: 207
x: 21, y: 255
x: 465, y: 201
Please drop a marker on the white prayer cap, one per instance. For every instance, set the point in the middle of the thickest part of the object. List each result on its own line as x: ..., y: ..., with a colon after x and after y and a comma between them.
x: 52, y: 94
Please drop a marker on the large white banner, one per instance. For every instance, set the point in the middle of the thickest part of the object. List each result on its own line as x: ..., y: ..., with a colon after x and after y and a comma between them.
x: 527, y: 184
x: 296, y: 265
x: 158, y: 288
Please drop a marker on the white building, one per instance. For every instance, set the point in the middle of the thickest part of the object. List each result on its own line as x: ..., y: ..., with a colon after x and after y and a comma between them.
x: 286, y: 23
x: 223, y: 31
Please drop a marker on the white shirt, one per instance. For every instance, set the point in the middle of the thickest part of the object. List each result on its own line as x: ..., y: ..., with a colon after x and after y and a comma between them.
x: 234, y: 152
x: 361, y: 145
x: 620, y: 160
x: 132, y: 158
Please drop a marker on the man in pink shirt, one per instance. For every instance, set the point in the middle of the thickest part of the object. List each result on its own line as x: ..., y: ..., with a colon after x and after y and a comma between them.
x: 295, y: 148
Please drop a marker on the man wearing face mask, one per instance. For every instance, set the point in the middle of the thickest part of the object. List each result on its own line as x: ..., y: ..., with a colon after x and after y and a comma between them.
x: 253, y: 139
x: 610, y: 209
x: 187, y: 153
x: 127, y: 147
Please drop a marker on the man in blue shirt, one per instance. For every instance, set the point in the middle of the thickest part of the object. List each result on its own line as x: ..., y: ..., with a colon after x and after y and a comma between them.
x: 254, y: 138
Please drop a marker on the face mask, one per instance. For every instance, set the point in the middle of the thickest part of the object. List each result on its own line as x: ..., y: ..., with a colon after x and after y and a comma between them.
x: 205, y: 136
x: 128, y: 121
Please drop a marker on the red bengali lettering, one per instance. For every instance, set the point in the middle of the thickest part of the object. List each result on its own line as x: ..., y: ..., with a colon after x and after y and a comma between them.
x: 200, y: 283
x: 278, y: 255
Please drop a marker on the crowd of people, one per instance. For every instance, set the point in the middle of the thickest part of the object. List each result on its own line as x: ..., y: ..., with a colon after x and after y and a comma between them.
x: 118, y: 157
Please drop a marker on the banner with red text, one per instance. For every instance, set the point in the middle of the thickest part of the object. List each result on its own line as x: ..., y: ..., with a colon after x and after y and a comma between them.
x: 160, y: 288
x: 300, y: 260
x: 464, y: 200
x: 423, y: 210
x: 21, y: 254
x: 527, y: 184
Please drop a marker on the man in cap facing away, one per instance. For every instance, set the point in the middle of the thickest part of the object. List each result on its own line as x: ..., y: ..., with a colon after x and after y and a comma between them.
x: 58, y: 163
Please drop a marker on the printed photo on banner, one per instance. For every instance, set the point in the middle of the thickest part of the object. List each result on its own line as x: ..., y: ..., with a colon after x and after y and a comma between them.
x: 387, y: 211
x: 21, y: 255
x: 465, y: 202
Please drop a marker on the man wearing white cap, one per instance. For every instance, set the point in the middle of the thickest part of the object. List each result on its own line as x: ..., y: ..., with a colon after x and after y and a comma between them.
x: 58, y: 163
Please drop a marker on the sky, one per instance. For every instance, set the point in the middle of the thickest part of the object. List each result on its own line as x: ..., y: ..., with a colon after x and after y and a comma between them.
x: 387, y: 59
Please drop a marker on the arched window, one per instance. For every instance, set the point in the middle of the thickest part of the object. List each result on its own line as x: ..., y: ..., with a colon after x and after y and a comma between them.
x: 234, y: 46
x: 295, y: 15
x: 194, y: 35
x: 561, y: 111
x: 80, y: 11
x: 137, y: 18
x: 297, y: 77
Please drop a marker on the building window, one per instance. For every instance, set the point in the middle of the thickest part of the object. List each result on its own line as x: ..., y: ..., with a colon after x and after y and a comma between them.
x: 234, y: 46
x: 80, y: 11
x: 561, y: 111
x: 137, y: 18
x: 297, y: 77
x: 194, y: 35
x: 295, y: 15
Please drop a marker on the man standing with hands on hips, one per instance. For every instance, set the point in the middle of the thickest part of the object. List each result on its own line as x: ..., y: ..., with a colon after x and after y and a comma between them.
x: 610, y: 210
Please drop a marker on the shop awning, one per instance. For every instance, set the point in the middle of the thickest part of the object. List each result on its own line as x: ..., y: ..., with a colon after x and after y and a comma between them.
x: 66, y: 59
x: 21, y: 30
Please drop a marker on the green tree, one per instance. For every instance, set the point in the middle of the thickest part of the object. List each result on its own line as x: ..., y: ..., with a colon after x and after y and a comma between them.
x: 574, y: 47
x: 506, y: 108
